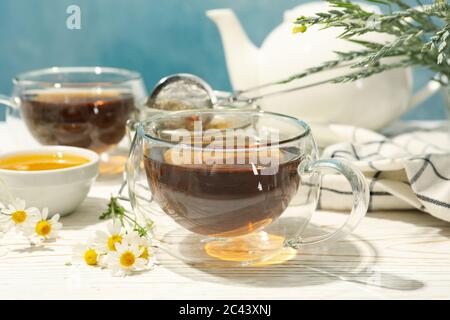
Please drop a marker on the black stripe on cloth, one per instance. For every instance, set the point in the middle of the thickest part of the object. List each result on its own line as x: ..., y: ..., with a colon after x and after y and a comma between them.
x: 380, y: 193
x: 341, y: 151
x: 436, y: 172
x: 371, y: 186
x: 427, y: 144
x: 420, y: 171
x: 372, y: 193
x: 433, y: 201
x: 354, y: 152
x: 372, y: 166
x: 354, y: 155
x: 382, y: 143
x: 375, y: 193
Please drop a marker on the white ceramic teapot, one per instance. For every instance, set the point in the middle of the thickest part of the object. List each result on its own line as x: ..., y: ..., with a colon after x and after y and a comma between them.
x: 371, y: 103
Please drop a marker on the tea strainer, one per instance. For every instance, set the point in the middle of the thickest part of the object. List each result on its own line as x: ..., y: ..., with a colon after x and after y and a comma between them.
x: 185, y: 91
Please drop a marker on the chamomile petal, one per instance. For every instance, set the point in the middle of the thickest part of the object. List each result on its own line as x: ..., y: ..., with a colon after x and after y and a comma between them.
x: 108, y: 241
x: 88, y: 254
x: 132, y: 236
x: 126, y: 259
x: 57, y: 225
x: 44, y: 214
x: 45, y: 228
x: 143, y: 244
x: 120, y: 247
x: 101, y: 235
x: 140, y: 263
x: 55, y: 218
x: 18, y: 215
x: 114, y: 227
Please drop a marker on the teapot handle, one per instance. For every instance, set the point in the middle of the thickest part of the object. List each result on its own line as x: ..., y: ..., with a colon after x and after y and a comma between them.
x: 423, y: 94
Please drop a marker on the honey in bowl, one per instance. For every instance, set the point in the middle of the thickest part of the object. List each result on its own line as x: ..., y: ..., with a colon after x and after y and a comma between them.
x: 39, y: 162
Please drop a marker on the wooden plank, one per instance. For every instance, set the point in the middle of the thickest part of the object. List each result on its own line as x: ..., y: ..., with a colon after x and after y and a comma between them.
x: 392, y: 255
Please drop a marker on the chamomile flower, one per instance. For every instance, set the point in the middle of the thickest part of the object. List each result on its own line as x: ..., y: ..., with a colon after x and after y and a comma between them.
x: 43, y: 227
x: 88, y: 254
x: 108, y: 241
x: 142, y: 242
x: 125, y: 259
x: 18, y: 216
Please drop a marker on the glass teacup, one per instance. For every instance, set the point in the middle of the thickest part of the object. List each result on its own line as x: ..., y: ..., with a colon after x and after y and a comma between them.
x: 84, y: 107
x: 232, y: 186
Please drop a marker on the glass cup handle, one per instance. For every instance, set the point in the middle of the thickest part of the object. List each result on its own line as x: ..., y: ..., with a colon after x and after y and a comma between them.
x: 138, y: 191
x: 361, y: 198
x: 7, y: 101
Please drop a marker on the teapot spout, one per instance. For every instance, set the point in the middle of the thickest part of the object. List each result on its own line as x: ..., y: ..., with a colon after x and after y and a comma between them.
x: 240, y: 53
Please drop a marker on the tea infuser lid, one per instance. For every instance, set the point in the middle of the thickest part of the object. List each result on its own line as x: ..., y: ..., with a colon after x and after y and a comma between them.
x: 182, y: 91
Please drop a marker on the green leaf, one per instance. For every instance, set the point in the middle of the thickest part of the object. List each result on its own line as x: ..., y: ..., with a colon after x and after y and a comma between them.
x: 114, y: 210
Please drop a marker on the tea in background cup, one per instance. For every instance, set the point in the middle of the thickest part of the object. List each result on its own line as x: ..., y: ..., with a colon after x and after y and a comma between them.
x: 84, y: 107
x: 92, y: 119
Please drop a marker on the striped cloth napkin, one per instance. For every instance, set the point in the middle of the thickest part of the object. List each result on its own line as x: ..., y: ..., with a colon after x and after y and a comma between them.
x: 407, y: 167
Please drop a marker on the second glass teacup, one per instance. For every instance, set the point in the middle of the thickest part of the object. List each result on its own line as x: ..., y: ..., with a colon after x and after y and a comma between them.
x: 221, y: 184
x: 84, y: 107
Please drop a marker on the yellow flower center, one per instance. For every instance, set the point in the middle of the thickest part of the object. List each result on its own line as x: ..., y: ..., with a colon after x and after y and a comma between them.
x: 145, y: 255
x: 90, y: 257
x: 116, y: 238
x: 43, y: 228
x: 127, y: 259
x: 19, y: 217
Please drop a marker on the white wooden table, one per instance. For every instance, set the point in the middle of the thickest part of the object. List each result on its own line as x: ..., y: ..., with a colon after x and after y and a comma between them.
x: 394, y: 255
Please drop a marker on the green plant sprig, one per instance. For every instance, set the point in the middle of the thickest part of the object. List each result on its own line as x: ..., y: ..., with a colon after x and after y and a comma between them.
x: 116, y: 211
x: 420, y: 37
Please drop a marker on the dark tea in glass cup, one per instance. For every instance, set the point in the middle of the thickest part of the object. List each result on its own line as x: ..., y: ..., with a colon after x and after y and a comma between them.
x: 85, y: 107
x: 230, y: 187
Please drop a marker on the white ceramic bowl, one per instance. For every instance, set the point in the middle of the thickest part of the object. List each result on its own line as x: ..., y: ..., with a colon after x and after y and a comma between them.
x: 61, y: 190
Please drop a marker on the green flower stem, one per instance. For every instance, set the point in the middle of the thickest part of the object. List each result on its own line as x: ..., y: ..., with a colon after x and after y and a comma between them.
x: 116, y: 211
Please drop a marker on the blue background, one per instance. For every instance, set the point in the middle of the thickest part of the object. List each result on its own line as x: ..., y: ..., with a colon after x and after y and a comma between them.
x: 153, y: 37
